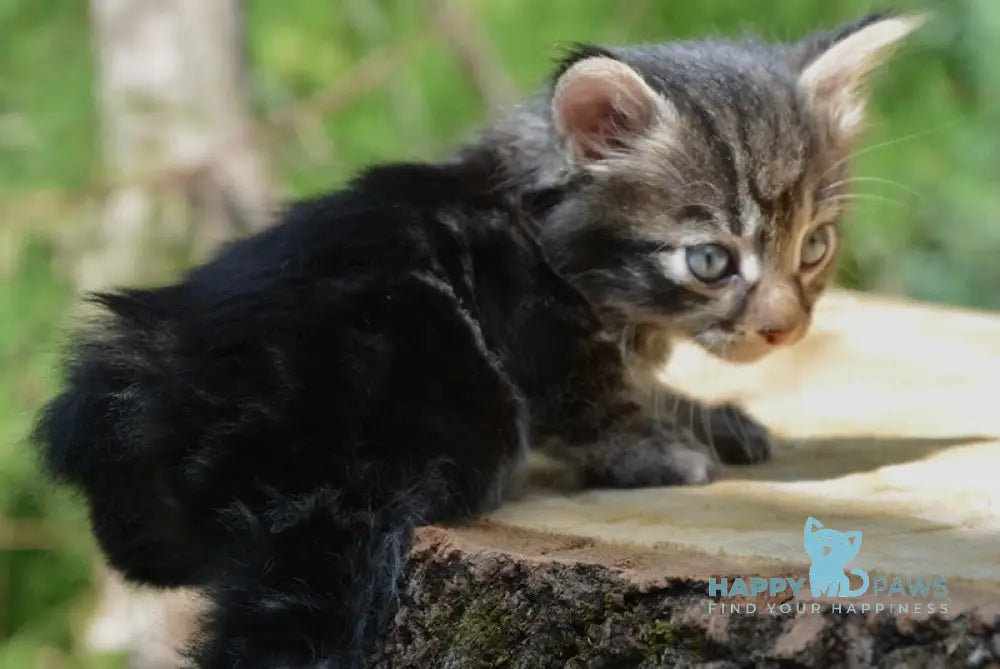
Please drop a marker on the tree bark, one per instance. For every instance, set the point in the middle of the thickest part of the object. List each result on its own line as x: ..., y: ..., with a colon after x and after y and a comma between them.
x: 184, y: 169
x: 485, y: 596
x: 488, y: 596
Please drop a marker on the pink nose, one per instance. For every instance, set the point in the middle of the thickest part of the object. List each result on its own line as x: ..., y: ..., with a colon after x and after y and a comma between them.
x: 775, y: 336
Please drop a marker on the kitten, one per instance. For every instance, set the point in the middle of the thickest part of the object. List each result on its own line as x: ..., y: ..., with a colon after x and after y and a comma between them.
x: 694, y: 189
x: 271, y: 427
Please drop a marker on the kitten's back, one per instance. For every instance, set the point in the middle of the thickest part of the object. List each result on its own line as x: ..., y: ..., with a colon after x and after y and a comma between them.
x: 273, y: 425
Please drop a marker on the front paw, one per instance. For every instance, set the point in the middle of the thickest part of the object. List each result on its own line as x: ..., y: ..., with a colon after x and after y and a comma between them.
x: 659, y: 458
x: 737, y: 438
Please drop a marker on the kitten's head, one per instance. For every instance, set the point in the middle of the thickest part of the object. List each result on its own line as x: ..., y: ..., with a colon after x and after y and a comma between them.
x: 710, y: 179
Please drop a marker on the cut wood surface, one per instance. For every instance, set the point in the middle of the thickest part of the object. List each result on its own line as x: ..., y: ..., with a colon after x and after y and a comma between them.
x: 888, y: 421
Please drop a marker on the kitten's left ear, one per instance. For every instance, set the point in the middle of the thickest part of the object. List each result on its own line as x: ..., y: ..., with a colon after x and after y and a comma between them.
x: 600, y: 105
x: 836, y: 65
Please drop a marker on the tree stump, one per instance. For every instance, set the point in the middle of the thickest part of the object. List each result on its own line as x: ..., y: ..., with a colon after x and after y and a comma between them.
x: 484, y: 596
x: 888, y: 421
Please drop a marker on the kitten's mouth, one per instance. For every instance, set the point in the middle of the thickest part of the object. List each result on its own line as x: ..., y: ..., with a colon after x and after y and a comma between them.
x: 745, y: 347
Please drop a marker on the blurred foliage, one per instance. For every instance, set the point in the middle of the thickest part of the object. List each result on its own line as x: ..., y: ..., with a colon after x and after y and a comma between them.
x: 929, y: 229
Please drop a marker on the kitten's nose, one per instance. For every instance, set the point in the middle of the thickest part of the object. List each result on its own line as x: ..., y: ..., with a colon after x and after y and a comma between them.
x: 775, y: 336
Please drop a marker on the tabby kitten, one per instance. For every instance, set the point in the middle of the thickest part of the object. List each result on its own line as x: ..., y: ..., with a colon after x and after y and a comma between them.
x: 273, y: 426
x: 693, y: 189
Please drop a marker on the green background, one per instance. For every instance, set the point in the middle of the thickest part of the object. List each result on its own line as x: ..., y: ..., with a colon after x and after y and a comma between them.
x: 931, y: 234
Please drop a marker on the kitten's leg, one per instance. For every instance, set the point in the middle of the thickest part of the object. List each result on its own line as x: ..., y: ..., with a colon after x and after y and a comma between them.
x: 732, y: 433
x: 638, y: 453
x: 728, y: 430
x: 641, y: 434
x: 681, y: 442
x: 310, y: 584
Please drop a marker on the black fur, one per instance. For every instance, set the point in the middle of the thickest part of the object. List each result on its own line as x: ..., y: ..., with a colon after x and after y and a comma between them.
x: 273, y: 426
x: 574, y: 53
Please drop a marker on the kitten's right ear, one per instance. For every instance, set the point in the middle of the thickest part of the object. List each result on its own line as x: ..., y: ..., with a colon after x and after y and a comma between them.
x: 833, y: 66
x: 601, y: 105
x: 812, y: 525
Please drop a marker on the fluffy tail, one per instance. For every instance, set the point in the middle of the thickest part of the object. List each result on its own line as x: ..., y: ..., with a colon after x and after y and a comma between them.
x: 106, y: 435
x: 310, y: 586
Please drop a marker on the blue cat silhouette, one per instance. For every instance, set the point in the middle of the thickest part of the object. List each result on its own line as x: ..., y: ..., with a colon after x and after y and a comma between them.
x: 830, y: 550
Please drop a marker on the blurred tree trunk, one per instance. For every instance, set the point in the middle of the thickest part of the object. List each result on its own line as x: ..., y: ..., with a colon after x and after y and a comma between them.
x: 185, y: 171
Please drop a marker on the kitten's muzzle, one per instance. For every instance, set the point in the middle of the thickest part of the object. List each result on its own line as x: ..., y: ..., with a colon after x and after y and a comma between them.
x: 776, y: 314
x: 773, y: 317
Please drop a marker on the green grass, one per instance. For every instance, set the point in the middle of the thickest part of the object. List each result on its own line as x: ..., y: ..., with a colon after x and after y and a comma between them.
x: 936, y: 110
x: 45, y: 551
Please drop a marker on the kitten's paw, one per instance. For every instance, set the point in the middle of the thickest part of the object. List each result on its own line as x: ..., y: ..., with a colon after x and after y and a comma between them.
x: 658, y: 459
x: 737, y: 438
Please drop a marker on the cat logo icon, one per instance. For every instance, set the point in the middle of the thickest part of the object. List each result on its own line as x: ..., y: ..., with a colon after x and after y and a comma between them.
x: 830, y: 550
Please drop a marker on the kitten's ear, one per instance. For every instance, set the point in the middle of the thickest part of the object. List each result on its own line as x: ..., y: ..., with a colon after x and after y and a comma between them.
x: 835, y: 66
x: 600, y: 105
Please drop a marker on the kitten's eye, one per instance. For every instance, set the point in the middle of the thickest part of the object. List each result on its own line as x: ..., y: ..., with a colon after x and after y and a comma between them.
x: 816, y: 245
x: 710, y: 262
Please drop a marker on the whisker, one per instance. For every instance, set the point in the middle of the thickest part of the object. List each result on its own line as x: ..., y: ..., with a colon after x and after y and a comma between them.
x: 692, y: 408
x: 888, y: 182
x: 866, y: 196
x: 741, y: 427
x: 706, y: 425
x: 887, y: 143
